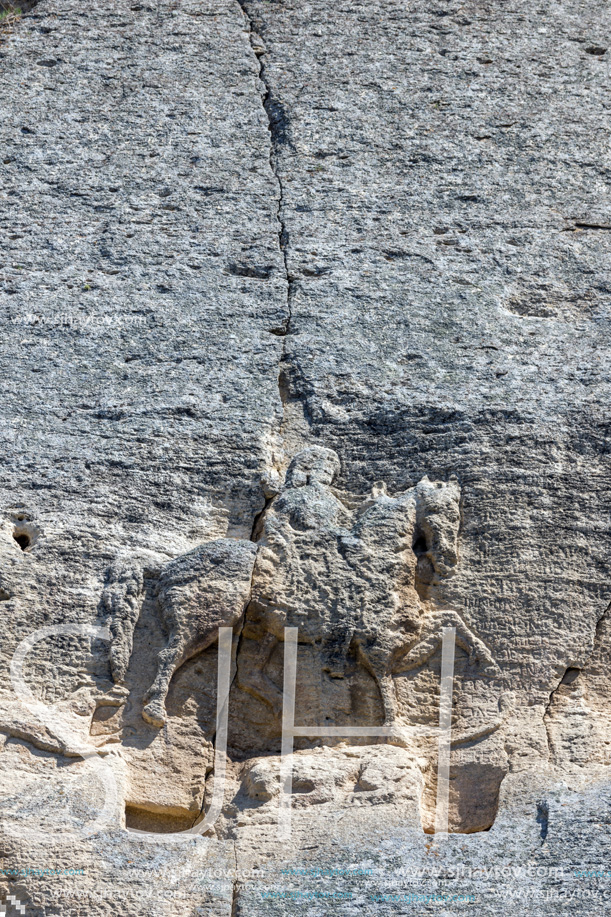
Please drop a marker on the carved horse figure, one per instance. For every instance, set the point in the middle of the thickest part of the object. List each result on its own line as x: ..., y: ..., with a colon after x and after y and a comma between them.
x: 197, y: 593
x: 343, y: 575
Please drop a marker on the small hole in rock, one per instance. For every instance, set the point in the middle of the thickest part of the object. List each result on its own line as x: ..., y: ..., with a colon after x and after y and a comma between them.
x: 23, y: 541
x: 419, y: 546
x: 569, y: 676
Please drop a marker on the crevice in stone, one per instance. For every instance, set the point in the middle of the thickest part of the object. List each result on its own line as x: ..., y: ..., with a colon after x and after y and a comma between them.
x: 580, y: 224
x: 255, y: 534
x: 210, y: 770
x: 597, y: 632
x: 202, y: 811
x: 278, y: 126
x: 569, y: 676
x: 257, y: 526
x: 543, y: 818
x: 235, y: 892
x: 551, y: 753
x: 234, y: 899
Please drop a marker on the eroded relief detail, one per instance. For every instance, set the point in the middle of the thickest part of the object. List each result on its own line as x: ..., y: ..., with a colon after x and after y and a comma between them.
x: 353, y: 575
x: 349, y: 579
x: 197, y: 593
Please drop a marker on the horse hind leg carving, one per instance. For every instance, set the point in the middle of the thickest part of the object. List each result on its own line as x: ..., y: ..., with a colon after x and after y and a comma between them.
x: 197, y: 593
x: 121, y: 599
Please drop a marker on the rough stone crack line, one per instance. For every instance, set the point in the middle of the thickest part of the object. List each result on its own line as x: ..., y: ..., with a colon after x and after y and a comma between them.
x: 277, y: 126
x: 561, y: 681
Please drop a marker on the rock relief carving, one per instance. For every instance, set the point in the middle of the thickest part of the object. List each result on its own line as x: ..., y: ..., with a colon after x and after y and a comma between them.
x: 346, y: 575
x: 348, y: 578
x: 197, y: 593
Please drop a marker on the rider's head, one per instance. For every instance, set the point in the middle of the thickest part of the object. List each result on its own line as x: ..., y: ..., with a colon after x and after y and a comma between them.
x: 313, y: 465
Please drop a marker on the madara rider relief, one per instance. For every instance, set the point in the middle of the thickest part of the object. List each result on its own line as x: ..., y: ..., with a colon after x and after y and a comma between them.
x: 359, y: 577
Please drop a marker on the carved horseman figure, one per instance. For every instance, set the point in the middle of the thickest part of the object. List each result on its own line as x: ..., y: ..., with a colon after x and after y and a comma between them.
x: 349, y: 578
x: 345, y: 578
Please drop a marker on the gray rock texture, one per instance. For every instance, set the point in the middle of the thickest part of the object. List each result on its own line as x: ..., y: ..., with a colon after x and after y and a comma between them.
x: 305, y: 320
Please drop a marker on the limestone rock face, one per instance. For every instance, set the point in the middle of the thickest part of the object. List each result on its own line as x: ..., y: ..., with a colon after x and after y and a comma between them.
x: 305, y: 335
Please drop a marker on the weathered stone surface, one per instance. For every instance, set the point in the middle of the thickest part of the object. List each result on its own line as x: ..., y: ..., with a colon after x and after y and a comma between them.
x: 305, y: 319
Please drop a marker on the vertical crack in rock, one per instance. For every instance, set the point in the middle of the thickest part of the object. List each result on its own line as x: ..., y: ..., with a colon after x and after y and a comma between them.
x: 257, y: 526
x: 235, y: 892
x: 241, y: 630
x: 276, y: 122
x: 202, y: 808
x: 546, y: 717
x: 543, y: 818
x: 570, y: 674
x: 277, y: 126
